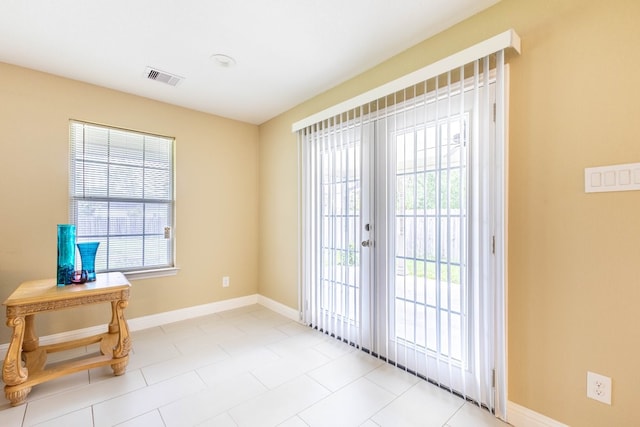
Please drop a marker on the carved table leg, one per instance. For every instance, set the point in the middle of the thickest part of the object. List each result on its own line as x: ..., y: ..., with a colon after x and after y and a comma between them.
x: 113, y: 325
x: 13, y: 373
x: 121, y: 350
x: 30, y: 341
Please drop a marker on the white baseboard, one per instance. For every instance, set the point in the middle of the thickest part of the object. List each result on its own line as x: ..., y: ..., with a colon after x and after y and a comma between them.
x: 160, y: 319
x: 279, y: 308
x: 519, y: 416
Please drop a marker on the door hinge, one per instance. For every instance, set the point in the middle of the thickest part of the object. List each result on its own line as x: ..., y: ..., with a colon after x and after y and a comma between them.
x: 494, y: 112
x: 493, y: 378
x: 493, y: 244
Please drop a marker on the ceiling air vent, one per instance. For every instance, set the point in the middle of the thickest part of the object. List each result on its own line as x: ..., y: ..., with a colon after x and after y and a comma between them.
x: 162, y: 76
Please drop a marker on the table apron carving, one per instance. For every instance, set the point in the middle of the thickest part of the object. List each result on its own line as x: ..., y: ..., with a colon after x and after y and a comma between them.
x: 41, y: 307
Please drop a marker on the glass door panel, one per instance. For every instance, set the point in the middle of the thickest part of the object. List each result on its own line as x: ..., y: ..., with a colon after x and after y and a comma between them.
x: 426, y: 215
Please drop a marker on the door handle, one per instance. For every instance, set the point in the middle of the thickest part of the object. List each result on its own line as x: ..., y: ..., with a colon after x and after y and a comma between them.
x: 367, y: 243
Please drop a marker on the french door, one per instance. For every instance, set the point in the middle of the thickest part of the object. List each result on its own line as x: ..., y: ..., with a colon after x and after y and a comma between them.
x: 399, y: 225
x: 425, y: 316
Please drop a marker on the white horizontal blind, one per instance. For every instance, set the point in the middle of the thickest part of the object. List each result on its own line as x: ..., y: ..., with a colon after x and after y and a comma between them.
x: 121, y: 195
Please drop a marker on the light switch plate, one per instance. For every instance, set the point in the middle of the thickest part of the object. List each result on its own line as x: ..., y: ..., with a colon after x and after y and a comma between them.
x: 625, y: 177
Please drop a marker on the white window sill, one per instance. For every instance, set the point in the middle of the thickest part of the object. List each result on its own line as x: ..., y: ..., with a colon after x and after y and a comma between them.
x: 150, y: 274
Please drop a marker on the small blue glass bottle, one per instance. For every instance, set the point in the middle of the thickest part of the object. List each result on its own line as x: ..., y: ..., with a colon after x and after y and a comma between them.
x: 88, y: 256
x: 66, y: 253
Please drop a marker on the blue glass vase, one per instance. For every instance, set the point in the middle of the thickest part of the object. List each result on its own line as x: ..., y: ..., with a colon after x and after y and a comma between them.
x: 66, y: 253
x: 88, y: 256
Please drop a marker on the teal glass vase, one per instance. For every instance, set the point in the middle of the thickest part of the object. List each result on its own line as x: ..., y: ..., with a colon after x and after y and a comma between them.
x: 66, y: 253
x: 88, y: 252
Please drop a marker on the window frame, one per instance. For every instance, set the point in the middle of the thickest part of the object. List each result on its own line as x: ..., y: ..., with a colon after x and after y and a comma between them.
x: 137, y: 271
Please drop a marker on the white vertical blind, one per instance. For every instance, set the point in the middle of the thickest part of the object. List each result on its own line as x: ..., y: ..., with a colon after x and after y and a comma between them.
x: 402, y: 225
x: 331, y: 194
x: 507, y: 40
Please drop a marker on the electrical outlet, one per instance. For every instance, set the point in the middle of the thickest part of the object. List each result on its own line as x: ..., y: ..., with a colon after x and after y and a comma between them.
x: 599, y: 387
x: 225, y: 281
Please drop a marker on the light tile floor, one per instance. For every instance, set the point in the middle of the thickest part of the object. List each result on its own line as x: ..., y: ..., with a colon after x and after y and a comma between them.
x: 244, y: 367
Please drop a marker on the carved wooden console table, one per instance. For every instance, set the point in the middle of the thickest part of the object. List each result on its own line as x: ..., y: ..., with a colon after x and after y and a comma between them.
x: 25, y: 364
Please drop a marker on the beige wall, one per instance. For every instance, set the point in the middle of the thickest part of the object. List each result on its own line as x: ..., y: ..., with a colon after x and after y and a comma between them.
x: 216, y: 192
x: 574, y: 281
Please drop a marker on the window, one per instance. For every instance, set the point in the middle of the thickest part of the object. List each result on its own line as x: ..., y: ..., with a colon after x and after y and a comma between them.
x: 121, y: 195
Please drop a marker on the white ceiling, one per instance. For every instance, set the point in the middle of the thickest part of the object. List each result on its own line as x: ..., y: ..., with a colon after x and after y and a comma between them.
x: 286, y: 51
